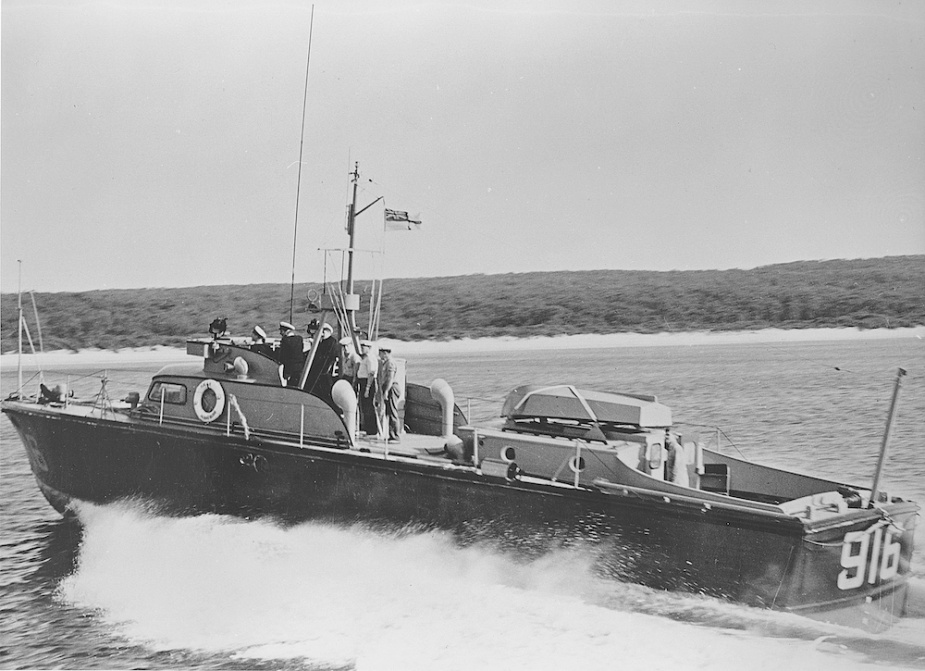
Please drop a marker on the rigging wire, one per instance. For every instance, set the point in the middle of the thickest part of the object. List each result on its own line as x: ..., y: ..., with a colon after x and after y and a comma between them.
x: 38, y: 324
x: 295, y: 227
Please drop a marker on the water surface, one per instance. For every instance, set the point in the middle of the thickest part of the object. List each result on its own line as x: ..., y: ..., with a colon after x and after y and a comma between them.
x: 132, y: 590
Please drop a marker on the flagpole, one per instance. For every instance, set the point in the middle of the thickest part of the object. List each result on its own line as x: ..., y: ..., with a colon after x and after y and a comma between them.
x: 378, y: 308
x: 352, y: 300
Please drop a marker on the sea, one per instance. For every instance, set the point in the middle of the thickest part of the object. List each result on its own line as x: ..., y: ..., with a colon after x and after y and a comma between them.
x: 126, y: 589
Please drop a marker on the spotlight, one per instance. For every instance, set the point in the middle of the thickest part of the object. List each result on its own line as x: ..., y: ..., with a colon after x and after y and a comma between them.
x: 218, y: 327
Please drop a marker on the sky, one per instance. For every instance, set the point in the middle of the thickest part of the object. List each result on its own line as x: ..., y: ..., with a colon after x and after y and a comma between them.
x: 158, y: 144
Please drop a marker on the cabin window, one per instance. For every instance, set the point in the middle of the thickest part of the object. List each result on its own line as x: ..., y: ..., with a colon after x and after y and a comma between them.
x: 173, y: 393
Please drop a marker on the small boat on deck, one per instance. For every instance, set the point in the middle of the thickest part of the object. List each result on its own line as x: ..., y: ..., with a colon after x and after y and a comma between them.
x: 602, y: 470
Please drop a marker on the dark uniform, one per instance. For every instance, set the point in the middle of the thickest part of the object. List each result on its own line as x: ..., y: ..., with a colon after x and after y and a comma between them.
x: 291, y: 354
x: 321, y: 375
x: 264, y: 348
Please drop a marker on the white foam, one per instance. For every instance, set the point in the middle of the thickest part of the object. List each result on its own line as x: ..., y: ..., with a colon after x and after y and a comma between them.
x: 352, y: 597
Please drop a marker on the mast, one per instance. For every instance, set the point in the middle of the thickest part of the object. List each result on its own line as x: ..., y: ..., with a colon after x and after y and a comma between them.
x: 352, y: 300
x: 875, y: 489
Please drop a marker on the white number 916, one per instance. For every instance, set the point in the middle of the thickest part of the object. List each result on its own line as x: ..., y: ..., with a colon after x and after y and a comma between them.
x: 865, y: 555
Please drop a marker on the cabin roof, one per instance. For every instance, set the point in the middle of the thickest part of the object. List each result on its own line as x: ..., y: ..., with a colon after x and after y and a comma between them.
x: 181, y: 370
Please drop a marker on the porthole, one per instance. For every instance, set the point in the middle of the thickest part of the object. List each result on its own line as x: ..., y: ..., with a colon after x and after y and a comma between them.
x: 508, y: 453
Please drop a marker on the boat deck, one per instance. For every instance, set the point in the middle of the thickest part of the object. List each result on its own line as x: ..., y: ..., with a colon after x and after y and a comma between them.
x: 412, y: 445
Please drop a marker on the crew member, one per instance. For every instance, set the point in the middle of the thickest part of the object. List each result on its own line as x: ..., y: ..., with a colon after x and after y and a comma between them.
x: 291, y: 353
x: 348, y: 363
x: 259, y: 343
x: 367, y: 371
x: 321, y: 374
x: 391, y: 392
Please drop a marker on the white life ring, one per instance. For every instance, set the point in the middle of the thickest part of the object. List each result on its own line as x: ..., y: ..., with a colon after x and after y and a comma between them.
x: 219, y: 400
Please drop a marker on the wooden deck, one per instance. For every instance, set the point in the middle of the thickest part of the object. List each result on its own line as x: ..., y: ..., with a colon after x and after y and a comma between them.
x: 412, y: 445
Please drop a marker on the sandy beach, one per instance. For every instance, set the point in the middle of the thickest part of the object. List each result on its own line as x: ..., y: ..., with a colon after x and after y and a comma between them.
x: 164, y: 355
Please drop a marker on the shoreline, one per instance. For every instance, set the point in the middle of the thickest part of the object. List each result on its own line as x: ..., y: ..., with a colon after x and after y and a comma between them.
x: 165, y: 355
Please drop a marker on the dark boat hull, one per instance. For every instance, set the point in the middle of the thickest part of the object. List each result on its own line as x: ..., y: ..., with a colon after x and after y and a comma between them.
x: 758, y: 560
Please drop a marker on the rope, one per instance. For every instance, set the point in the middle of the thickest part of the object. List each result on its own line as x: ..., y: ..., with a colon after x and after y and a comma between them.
x: 784, y: 575
x: 19, y: 392
x: 244, y: 424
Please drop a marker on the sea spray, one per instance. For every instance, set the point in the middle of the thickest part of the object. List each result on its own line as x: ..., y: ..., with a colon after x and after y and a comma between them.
x: 356, y: 597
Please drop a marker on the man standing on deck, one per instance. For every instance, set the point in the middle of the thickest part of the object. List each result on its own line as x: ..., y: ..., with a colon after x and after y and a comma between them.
x: 391, y: 392
x: 291, y: 353
x: 321, y: 375
x: 367, y: 371
x: 348, y: 363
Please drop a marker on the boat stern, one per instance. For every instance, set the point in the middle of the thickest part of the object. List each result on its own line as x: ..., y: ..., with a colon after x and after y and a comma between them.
x: 853, y: 569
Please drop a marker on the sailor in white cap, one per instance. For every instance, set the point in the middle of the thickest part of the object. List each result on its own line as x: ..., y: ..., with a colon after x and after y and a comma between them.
x: 260, y: 344
x: 349, y: 361
x: 291, y: 353
x: 320, y: 378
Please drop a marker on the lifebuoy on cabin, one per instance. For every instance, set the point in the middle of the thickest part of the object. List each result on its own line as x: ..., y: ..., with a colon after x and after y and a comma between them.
x: 209, y: 400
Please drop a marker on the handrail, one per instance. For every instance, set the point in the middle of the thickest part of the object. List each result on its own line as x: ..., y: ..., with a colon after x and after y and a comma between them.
x: 740, y: 505
x: 142, y: 414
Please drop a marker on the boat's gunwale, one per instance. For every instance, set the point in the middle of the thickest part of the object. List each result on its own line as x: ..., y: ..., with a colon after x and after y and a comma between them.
x: 698, y: 503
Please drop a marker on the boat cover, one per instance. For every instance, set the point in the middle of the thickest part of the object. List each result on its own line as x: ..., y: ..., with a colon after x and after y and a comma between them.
x: 564, y: 402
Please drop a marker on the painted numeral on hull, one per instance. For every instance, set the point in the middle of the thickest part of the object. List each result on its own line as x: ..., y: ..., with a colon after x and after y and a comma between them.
x: 867, y: 555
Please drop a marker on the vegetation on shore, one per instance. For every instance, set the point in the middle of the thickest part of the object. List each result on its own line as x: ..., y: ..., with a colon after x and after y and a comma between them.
x: 866, y: 293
